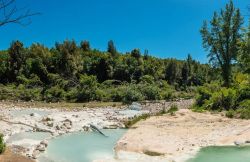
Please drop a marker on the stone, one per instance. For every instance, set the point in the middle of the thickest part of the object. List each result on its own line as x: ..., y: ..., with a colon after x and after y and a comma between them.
x: 50, y: 124
x: 238, y: 143
x: 135, y: 106
x: 40, y: 148
x: 247, y: 141
x: 44, y: 142
x: 35, y: 154
x: 86, y: 128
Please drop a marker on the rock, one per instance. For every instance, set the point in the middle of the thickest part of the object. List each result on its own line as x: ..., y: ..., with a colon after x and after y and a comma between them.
x: 238, y: 143
x: 135, y: 106
x: 50, y: 124
x: 46, y: 119
x: 35, y: 154
x: 110, y: 127
x: 44, y: 142
x: 58, y: 127
x: 68, y: 121
x: 247, y: 141
x: 86, y: 128
x: 40, y: 148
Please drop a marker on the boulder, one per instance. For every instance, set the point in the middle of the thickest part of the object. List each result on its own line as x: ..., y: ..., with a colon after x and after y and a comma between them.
x: 35, y: 154
x: 44, y: 142
x: 86, y: 128
x: 40, y: 148
x: 135, y: 106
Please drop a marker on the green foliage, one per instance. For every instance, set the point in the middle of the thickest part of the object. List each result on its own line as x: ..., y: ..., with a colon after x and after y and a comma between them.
x: 132, y: 94
x: 221, y: 37
x: 136, y: 119
x: 234, y: 100
x: 150, y: 92
x: 54, y: 94
x: 87, y: 88
x: 173, y: 109
x: 230, y: 113
x: 2, y: 144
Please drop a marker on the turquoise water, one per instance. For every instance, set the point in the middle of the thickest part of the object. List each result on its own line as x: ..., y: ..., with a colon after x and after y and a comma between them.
x: 29, y: 135
x: 223, y: 154
x: 82, y: 146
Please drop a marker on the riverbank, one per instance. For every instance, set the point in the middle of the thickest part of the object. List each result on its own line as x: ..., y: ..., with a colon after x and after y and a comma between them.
x: 179, y: 137
x: 20, y: 119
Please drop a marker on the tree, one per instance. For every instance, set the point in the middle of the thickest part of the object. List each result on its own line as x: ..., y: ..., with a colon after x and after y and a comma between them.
x: 112, y: 49
x: 85, y: 46
x: 69, y: 61
x: 220, y: 39
x: 9, y: 13
x: 189, y: 64
x: 244, y: 54
x: 171, y: 72
x: 16, y: 59
x: 136, y: 53
x: 184, y: 74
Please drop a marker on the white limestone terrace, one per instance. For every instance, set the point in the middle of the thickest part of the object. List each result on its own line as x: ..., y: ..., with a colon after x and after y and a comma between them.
x: 18, y: 122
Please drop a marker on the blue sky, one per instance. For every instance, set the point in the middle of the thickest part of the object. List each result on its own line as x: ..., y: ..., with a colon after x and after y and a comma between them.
x: 167, y: 28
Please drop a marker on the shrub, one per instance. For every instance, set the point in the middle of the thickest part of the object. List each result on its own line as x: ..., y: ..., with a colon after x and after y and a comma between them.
x: 87, y: 88
x: 203, y: 95
x: 136, y: 119
x: 244, y: 109
x: 223, y: 100
x: 101, y: 95
x: 28, y: 94
x: 131, y: 95
x: 151, y: 92
x: 166, y: 95
x: 230, y: 113
x: 2, y: 144
x: 173, y: 108
x: 243, y: 93
x: 54, y: 94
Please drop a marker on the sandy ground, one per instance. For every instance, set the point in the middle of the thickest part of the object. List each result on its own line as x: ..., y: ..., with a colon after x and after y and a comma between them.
x: 9, y: 156
x: 181, y: 136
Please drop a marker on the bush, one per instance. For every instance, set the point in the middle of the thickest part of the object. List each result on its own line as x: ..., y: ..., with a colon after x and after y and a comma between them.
x: 244, y: 109
x: 101, y: 95
x: 2, y: 144
x: 87, y: 88
x: 136, y: 119
x: 223, y: 100
x: 243, y: 93
x: 173, y: 109
x: 203, y: 95
x: 54, y: 94
x: 150, y: 92
x: 230, y: 113
x: 131, y: 95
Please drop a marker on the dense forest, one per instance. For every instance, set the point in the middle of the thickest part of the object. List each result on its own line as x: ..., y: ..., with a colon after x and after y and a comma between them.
x: 78, y: 73
x: 75, y: 72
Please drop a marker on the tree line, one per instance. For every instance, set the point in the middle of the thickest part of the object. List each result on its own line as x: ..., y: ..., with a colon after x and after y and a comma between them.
x: 69, y: 67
